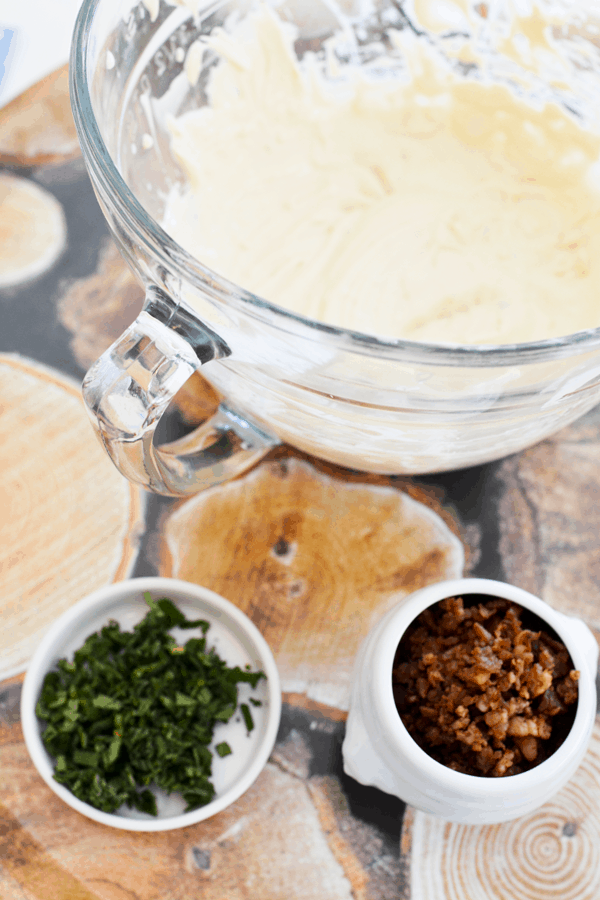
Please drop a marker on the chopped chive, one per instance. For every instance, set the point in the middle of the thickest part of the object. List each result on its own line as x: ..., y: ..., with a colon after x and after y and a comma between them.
x: 135, y: 709
x: 248, y: 720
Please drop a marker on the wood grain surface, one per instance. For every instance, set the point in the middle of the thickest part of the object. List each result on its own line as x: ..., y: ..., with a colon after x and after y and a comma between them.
x: 290, y: 837
x: 33, y: 230
x: 68, y: 522
x: 37, y: 127
x: 552, y: 854
x: 314, y: 561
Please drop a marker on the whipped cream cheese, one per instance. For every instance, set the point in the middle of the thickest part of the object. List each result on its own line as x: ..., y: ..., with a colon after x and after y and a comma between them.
x: 439, y: 209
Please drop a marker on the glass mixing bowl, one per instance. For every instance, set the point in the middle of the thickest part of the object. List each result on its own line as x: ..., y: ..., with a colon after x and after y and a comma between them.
x: 384, y: 406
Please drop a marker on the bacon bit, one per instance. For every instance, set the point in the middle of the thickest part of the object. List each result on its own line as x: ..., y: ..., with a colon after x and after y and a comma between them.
x: 491, y: 700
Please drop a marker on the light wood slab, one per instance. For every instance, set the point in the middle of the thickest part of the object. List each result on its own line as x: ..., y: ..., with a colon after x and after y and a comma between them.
x: 552, y: 854
x: 314, y: 560
x: 290, y: 837
x: 33, y: 230
x: 37, y: 127
x: 69, y: 523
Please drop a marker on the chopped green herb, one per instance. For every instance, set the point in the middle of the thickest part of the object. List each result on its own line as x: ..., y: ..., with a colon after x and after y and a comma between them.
x: 136, y: 708
x: 103, y: 702
x: 248, y: 720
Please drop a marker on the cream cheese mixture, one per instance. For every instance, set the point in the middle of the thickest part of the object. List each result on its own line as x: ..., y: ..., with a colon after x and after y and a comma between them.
x: 435, y: 210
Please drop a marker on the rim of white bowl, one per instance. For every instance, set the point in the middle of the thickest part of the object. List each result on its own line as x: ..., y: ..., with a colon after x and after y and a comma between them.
x: 388, y: 716
x: 129, y: 589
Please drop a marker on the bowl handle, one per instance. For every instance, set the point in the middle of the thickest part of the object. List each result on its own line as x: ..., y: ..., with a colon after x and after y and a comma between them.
x: 129, y: 388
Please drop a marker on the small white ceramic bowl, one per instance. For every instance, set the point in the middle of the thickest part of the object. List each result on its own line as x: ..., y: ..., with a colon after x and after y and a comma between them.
x: 236, y: 640
x: 379, y: 751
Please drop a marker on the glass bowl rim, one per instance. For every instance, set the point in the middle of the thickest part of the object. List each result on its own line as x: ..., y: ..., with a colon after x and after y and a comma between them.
x: 150, y: 235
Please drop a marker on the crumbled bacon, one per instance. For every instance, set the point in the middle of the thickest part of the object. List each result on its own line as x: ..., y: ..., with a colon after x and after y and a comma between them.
x: 480, y: 692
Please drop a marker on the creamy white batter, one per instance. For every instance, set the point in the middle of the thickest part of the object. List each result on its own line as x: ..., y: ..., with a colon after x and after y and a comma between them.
x: 439, y: 210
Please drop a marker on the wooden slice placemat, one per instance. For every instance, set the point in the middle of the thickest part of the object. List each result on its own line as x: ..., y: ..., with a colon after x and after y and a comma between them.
x: 33, y: 231
x: 314, y: 561
x: 37, y: 127
x: 68, y: 521
x: 552, y: 854
x: 291, y: 836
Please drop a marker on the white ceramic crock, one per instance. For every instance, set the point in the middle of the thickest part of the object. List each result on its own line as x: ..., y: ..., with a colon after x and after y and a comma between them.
x: 379, y: 751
